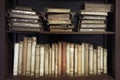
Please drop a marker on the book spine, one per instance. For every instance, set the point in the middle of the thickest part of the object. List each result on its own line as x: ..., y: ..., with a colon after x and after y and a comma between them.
x: 105, y: 61
x: 53, y: 59
x: 68, y: 60
x: 76, y: 61
x: 83, y: 51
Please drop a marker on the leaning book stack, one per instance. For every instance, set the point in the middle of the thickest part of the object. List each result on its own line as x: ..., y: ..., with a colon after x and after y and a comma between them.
x: 24, y: 19
x: 59, y: 19
x: 93, y: 17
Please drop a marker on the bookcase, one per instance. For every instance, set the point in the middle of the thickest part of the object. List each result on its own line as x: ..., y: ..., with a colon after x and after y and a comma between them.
x: 109, y: 39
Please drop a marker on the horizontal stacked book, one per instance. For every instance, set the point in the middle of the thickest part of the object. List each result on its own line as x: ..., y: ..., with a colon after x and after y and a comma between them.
x: 58, y: 59
x: 93, y: 17
x: 59, y: 19
x: 25, y: 19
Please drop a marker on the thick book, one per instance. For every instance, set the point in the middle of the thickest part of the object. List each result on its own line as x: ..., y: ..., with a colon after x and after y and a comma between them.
x: 91, y: 21
x: 93, y: 17
x: 61, y: 26
x: 57, y: 10
x: 60, y: 22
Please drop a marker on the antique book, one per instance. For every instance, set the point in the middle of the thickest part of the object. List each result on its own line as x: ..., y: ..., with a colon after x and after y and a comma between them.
x: 57, y: 10
x: 50, y: 61
x: 91, y: 21
x: 59, y: 22
x: 93, y: 17
x: 60, y: 30
x: 75, y: 60
x: 16, y: 15
x: 85, y: 12
x: 95, y: 61
x: 68, y: 59
x: 89, y: 30
x: 105, y: 67
x: 61, y: 26
x: 20, y: 58
x: 37, y: 60
x: 92, y: 26
x: 23, y: 8
x: 102, y: 59
x: 25, y: 46
x: 34, y: 42
x: 29, y: 52
x: 83, y: 59
x: 16, y: 56
x: 53, y: 59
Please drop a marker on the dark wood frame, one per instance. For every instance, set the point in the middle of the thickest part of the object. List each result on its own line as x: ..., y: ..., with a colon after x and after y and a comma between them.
x: 3, y: 44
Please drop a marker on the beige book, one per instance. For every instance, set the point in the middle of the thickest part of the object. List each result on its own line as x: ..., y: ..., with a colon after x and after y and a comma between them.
x: 42, y: 52
x: 99, y: 60
x: 20, y: 58
x: 25, y: 46
x: 57, y: 10
x: 103, y: 26
x: 37, y: 60
x: 60, y: 58
x: 83, y: 59
x: 79, y: 60
x: 76, y: 61
x: 92, y: 30
x: 53, y: 59
x: 91, y: 58
x: 33, y: 56
x: 29, y: 52
x: 95, y: 61
x: 71, y: 59
x: 105, y: 61
x: 46, y: 58
x: 16, y: 55
x: 93, y: 21
x: 61, y: 30
x: 86, y: 59
x: 60, y: 22
x: 93, y: 17
x: 102, y: 59
x: 50, y: 61
x: 68, y: 60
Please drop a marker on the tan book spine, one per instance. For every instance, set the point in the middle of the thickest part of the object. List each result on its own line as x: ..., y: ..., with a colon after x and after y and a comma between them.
x: 99, y: 60
x: 79, y: 60
x: 58, y: 10
x: 29, y: 51
x: 91, y: 59
x: 76, y: 61
x: 42, y: 60
x: 105, y: 61
x: 95, y: 62
x: 37, y: 60
x: 60, y: 58
x: 16, y: 54
x: 56, y: 60
x: 50, y: 61
x: 83, y: 52
x: 33, y: 56
x: 25, y: 46
x: 20, y: 58
x: 102, y: 59
x: 53, y: 59
x: 68, y: 60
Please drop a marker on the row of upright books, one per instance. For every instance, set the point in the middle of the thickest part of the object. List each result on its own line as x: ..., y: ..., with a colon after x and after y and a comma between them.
x: 93, y: 17
x: 58, y: 59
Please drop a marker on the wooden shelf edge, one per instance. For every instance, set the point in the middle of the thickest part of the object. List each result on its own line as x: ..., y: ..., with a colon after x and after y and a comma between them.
x: 98, y: 77
x: 47, y: 32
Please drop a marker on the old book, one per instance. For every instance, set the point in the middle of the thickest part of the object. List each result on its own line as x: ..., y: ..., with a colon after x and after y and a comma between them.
x: 102, y: 59
x: 16, y: 15
x: 91, y: 59
x: 24, y: 24
x: 57, y: 10
x: 83, y: 59
x: 29, y: 52
x: 92, y: 26
x: 25, y: 46
x: 95, y: 61
x: 20, y: 58
x: 61, y: 30
x: 86, y: 59
x: 25, y: 28
x: 79, y: 60
x: 37, y: 60
x: 16, y: 55
x: 93, y: 17
x: 85, y: 12
x: 50, y: 61
x: 105, y: 67
x: 53, y: 17
x: 75, y: 60
x: 23, y: 20
x: 59, y: 22
x: 59, y: 58
x: 42, y: 60
x: 20, y: 11
x: 23, y: 8
x: 61, y: 26
x: 93, y: 30
x: 92, y: 21
x: 53, y: 59
x: 68, y: 59
x: 98, y: 7
x: 34, y: 42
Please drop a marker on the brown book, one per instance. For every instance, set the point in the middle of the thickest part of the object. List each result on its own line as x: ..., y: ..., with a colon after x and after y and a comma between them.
x: 25, y: 44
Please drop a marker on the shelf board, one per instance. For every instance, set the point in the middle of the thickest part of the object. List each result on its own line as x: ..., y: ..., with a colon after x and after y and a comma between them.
x: 98, y: 77
x: 47, y: 32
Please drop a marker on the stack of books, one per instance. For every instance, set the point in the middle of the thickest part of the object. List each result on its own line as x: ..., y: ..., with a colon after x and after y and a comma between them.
x: 93, y: 17
x: 58, y: 59
x: 59, y: 19
x: 25, y: 19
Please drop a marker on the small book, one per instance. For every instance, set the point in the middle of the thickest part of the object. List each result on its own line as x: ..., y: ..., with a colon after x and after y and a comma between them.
x: 57, y: 10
